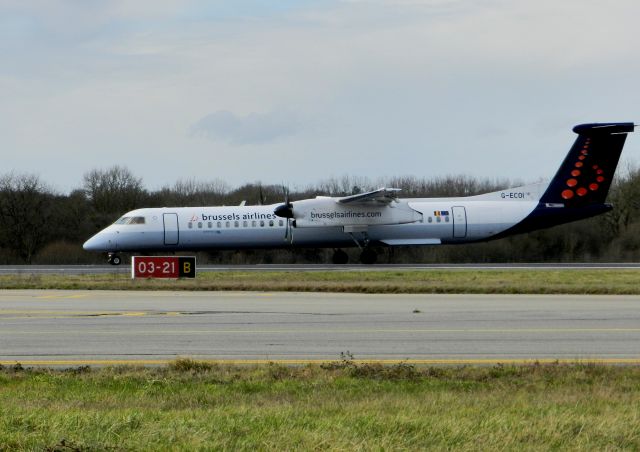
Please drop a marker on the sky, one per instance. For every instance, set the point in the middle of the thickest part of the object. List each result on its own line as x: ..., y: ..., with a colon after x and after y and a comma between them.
x: 297, y: 92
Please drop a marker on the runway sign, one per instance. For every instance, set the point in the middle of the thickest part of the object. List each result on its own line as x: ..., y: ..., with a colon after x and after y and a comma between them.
x: 163, y: 267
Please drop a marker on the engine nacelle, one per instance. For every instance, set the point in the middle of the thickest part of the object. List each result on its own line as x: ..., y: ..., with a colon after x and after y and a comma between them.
x: 326, y: 211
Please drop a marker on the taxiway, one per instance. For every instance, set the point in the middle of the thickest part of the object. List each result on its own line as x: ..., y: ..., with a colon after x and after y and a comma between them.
x: 111, y: 327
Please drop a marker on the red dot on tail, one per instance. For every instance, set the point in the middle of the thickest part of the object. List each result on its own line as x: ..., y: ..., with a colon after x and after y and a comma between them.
x: 581, y: 191
x: 599, y: 171
x: 575, y: 173
x: 593, y: 187
x: 600, y: 179
x: 579, y: 164
x: 567, y: 194
x: 572, y: 182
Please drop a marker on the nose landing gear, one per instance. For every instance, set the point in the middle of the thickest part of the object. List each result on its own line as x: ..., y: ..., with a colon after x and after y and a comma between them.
x: 114, y: 259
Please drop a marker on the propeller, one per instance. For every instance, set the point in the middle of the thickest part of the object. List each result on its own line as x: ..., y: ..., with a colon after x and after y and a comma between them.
x: 286, y: 211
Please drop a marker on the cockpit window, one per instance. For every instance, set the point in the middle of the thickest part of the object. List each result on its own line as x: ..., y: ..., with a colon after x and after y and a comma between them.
x: 131, y: 220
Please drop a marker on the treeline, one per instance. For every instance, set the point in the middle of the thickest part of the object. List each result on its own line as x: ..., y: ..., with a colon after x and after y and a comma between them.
x: 40, y: 226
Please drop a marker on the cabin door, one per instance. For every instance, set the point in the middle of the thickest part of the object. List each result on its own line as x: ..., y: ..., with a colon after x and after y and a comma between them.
x: 459, y: 222
x: 171, y: 232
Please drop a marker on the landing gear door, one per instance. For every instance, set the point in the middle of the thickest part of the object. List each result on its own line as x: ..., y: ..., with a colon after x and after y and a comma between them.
x: 171, y: 232
x: 459, y: 222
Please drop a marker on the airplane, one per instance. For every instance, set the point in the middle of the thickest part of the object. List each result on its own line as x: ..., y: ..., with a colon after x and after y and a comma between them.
x: 380, y: 217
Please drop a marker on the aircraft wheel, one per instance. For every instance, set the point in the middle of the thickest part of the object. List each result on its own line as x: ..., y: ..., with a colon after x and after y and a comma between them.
x: 340, y: 257
x: 368, y: 256
x: 114, y: 259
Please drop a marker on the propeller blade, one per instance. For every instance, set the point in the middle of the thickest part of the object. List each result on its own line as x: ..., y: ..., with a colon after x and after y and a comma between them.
x: 286, y: 211
x: 290, y: 223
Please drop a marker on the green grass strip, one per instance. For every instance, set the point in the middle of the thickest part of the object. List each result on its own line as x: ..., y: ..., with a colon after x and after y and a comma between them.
x: 191, y: 405
x: 569, y: 281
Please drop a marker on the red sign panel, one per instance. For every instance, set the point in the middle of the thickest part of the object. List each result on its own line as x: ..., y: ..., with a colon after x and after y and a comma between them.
x: 163, y: 267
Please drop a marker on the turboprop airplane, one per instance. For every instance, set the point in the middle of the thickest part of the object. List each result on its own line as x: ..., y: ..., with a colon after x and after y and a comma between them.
x: 381, y: 217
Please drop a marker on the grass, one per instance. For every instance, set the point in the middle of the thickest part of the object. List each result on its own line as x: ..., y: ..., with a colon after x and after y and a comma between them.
x: 568, y: 281
x: 193, y: 405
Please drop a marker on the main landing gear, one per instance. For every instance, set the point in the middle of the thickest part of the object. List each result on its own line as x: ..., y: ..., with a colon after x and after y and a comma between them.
x: 340, y: 257
x: 368, y: 256
x: 114, y: 259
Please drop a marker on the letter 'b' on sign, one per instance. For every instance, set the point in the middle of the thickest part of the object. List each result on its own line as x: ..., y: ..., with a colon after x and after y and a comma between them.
x: 163, y: 267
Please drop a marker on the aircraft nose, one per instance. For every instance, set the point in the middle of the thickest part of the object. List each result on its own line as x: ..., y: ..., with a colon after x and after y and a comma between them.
x: 99, y: 242
x: 93, y: 244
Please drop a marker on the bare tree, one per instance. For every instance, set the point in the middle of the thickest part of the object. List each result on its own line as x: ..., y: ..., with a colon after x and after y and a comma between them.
x: 113, y: 191
x: 190, y: 192
x: 25, y: 213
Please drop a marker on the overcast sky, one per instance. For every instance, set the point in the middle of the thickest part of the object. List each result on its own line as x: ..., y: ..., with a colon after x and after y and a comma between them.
x: 299, y: 91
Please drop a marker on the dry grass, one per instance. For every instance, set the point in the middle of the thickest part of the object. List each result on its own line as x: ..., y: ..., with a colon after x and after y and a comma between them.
x: 584, y: 281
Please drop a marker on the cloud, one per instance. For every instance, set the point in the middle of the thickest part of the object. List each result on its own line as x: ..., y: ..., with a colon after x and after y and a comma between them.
x: 414, y: 86
x: 255, y: 128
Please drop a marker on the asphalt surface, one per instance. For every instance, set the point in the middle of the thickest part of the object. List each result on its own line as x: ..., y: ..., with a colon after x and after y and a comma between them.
x: 63, y: 328
x: 126, y: 268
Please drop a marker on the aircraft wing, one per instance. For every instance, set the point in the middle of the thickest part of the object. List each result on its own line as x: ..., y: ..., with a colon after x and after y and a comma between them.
x: 381, y: 195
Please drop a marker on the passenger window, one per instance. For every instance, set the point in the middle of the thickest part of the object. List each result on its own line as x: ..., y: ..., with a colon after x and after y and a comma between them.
x: 245, y: 224
x: 228, y: 224
x: 254, y: 224
x: 438, y: 219
x: 210, y: 225
x: 219, y: 224
x: 281, y: 222
x: 446, y: 219
x: 430, y: 220
x: 199, y: 224
x: 190, y: 225
x: 262, y: 223
x: 271, y: 223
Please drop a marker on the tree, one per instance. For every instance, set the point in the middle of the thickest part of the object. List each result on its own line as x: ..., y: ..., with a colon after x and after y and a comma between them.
x: 112, y: 192
x: 25, y: 214
x: 190, y: 192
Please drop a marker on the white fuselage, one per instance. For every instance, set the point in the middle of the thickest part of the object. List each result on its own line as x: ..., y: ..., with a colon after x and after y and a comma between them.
x: 417, y: 221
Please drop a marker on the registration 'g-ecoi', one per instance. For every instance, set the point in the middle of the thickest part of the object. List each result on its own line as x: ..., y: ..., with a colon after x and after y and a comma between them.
x: 381, y: 217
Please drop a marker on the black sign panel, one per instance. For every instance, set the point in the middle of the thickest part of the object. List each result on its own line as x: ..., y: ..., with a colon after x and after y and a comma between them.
x: 187, y: 267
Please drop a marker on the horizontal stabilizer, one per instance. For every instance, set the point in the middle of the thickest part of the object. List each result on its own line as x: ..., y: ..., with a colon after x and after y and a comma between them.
x: 604, y: 128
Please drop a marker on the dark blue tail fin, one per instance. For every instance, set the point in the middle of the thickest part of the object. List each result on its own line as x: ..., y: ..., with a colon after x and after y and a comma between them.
x: 585, y: 175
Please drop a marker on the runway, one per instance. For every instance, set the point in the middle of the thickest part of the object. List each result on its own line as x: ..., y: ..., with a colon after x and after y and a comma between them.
x: 126, y: 268
x: 111, y: 327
